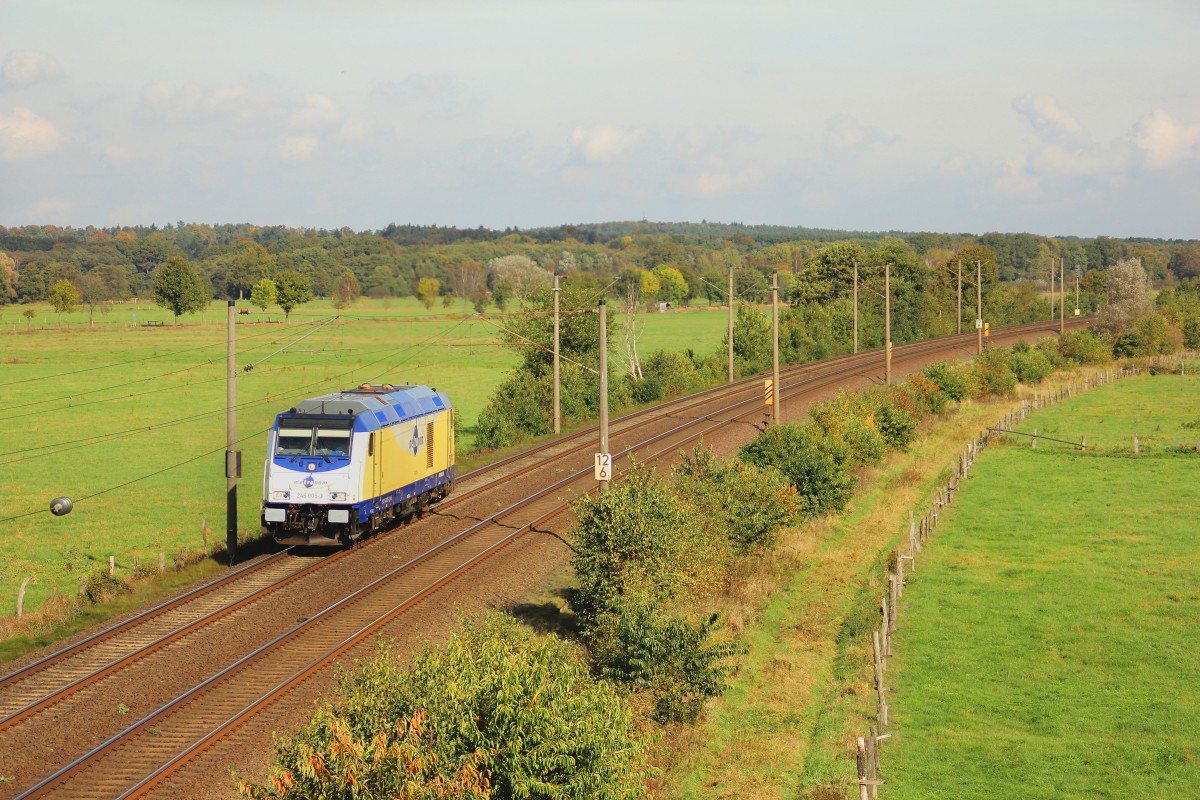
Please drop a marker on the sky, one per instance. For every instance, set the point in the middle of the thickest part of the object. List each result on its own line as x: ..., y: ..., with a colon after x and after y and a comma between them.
x: 1058, y: 117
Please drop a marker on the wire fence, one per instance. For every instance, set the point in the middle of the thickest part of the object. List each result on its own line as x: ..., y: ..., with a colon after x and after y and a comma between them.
x: 904, y: 562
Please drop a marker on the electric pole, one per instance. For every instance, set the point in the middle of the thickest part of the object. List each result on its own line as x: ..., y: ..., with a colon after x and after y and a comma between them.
x: 856, y: 307
x: 979, y: 304
x: 887, y: 323
x: 731, y: 323
x: 1062, y: 298
x: 604, y: 460
x: 557, y: 374
x: 231, y: 454
x: 776, y: 389
x: 960, y: 295
x: 1051, y: 290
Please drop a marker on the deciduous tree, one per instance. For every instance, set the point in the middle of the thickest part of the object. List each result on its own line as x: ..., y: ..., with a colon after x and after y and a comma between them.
x: 672, y: 288
x: 292, y: 289
x: 64, y: 296
x: 347, y: 290
x: 428, y: 290
x: 177, y: 286
x: 92, y: 292
x: 246, y: 265
x: 8, y: 278
x: 264, y: 294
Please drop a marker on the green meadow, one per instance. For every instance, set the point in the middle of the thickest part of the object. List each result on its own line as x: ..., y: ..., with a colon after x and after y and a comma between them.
x: 1049, y: 647
x: 128, y: 418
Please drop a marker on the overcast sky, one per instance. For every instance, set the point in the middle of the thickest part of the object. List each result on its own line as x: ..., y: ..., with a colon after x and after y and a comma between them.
x: 1054, y: 117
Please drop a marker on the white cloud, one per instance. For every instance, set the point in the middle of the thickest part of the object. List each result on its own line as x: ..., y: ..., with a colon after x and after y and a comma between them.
x: 1066, y: 158
x: 601, y: 144
x: 166, y: 102
x: 317, y: 111
x: 21, y: 70
x: 1048, y: 118
x: 297, y: 149
x: 1016, y: 179
x: 715, y: 184
x: 354, y: 130
x: 26, y: 135
x: 846, y: 134
x: 117, y: 154
x: 1166, y: 142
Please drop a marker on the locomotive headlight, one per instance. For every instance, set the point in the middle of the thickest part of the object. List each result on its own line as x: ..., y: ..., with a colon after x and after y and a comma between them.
x: 280, y: 495
x: 337, y: 495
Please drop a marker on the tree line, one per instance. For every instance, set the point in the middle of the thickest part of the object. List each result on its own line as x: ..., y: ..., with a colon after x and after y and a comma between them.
x: 119, y: 263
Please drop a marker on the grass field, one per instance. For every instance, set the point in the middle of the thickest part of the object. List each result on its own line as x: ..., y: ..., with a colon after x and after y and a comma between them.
x: 109, y: 416
x: 1050, y: 646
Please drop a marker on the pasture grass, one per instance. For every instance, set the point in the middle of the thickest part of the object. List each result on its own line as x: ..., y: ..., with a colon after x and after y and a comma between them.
x: 1049, y: 649
x: 786, y: 727
x: 138, y: 442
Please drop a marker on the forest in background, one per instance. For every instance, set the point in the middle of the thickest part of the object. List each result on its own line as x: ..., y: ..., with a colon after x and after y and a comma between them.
x: 391, y: 262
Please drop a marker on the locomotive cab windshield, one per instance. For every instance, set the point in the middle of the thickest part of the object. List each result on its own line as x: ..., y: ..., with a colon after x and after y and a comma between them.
x: 330, y: 438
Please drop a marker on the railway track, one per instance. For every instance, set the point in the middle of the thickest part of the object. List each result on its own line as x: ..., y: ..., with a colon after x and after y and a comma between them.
x: 133, y: 760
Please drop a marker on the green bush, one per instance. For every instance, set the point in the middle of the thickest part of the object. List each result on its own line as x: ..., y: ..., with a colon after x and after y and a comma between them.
x: 926, y: 394
x: 674, y: 372
x: 677, y: 664
x: 1048, y: 346
x: 515, y: 411
x: 748, y: 503
x: 992, y: 373
x: 948, y: 379
x: 1030, y: 366
x: 522, y: 406
x: 501, y: 702
x: 1191, y: 333
x: 896, y: 420
x: 1083, y: 346
x: 645, y: 390
x: 100, y: 587
x: 638, y: 539
x: 847, y: 423
x: 1128, y: 345
x: 823, y: 481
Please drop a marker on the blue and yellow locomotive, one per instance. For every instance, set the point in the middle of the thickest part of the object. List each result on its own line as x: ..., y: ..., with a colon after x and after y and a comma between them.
x: 345, y: 464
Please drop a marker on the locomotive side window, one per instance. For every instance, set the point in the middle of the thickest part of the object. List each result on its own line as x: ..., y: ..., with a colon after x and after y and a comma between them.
x: 294, y: 442
x: 332, y: 443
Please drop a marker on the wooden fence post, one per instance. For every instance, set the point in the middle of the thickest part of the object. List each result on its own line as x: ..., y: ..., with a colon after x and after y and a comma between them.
x: 1137, y: 447
x: 21, y: 596
x: 112, y: 565
x: 862, y: 769
x: 893, y: 591
x: 884, y: 627
x: 162, y: 562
